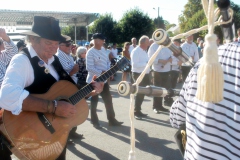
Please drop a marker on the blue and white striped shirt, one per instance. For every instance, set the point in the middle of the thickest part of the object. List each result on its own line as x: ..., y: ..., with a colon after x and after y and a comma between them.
x: 213, y: 130
x: 67, y: 63
x: 5, y: 57
x: 97, y: 61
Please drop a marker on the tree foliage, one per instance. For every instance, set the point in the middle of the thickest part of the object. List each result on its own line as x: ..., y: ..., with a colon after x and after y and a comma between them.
x: 135, y: 23
x: 193, y: 17
x: 159, y: 23
x: 107, y: 26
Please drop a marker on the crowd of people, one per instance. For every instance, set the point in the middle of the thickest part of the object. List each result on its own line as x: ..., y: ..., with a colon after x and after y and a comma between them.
x: 43, y: 59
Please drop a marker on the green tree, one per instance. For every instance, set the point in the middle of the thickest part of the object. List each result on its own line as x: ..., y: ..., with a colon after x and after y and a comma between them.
x: 159, y: 23
x: 107, y: 26
x: 135, y: 23
x: 193, y: 17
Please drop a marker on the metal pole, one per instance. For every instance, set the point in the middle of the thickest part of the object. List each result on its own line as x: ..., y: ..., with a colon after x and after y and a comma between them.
x: 75, y: 34
x: 87, y: 32
x: 158, y: 19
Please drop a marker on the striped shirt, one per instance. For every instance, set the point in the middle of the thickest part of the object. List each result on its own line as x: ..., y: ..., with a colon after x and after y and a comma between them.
x: 5, y: 57
x: 213, y: 130
x: 97, y: 61
x: 67, y: 63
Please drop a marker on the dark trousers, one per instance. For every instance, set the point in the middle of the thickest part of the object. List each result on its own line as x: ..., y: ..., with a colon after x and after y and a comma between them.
x: 173, y: 78
x: 161, y: 79
x: 185, y: 71
x: 107, y: 99
x: 140, y: 97
x: 5, y: 153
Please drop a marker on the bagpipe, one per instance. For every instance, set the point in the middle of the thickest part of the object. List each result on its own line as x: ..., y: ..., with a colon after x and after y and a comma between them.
x: 209, y: 70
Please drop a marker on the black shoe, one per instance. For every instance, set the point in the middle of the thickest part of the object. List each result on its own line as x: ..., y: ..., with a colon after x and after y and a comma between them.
x: 142, y: 114
x: 163, y: 109
x: 139, y: 115
x: 97, y: 126
x: 114, y: 123
x: 75, y: 135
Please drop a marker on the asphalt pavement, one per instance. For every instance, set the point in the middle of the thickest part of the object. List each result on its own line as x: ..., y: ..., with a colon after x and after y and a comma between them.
x: 154, y: 134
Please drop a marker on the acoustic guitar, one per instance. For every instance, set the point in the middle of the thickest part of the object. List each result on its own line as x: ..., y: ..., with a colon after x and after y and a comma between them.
x: 30, y: 137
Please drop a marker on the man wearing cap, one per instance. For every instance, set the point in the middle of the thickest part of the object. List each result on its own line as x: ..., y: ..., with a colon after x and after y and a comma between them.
x: 7, y: 51
x: 87, y: 45
x: 21, y: 44
x: 64, y: 55
x: 191, y: 49
x: 67, y: 61
x: 34, y: 71
x: 97, y: 62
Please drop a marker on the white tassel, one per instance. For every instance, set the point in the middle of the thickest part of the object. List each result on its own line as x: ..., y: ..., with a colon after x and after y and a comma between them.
x: 210, y: 73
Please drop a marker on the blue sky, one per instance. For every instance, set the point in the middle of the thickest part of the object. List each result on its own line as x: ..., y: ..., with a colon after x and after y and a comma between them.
x: 168, y: 9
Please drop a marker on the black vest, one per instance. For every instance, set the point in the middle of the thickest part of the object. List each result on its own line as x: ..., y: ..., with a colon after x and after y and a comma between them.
x: 42, y: 81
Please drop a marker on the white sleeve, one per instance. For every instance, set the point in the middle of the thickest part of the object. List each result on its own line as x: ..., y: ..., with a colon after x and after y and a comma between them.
x: 12, y: 92
x: 152, y: 49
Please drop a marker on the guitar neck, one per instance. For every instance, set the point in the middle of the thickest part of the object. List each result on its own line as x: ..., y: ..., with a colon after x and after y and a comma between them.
x: 74, y: 99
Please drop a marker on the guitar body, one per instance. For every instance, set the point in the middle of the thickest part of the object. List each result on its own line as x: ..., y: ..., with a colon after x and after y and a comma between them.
x: 28, y: 136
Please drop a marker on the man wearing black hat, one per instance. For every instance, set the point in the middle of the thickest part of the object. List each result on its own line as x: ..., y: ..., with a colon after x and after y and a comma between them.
x: 34, y: 71
x: 97, y: 62
x: 21, y: 44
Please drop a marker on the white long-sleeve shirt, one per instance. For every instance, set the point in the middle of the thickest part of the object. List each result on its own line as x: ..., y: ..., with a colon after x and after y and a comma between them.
x: 174, y: 64
x: 114, y: 52
x: 213, y: 129
x: 191, y: 50
x: 164, y: 54
x: 5, y: 57
x: 20, y: 75
x: 97, y: 61
x: 139, y: 60
x: 131, y: 47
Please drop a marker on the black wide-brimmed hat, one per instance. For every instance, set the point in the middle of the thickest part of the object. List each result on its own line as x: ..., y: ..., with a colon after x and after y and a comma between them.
x: 45, y: 27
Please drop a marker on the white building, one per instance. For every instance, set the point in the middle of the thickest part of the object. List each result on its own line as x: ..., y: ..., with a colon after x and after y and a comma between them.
x: 16, y: 21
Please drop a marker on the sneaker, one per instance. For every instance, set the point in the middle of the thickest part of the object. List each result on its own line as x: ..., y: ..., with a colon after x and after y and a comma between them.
x: 97, y: 126
x: 156, y: 111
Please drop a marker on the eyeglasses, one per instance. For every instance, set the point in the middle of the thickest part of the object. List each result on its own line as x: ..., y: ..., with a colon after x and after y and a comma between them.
x: 67, y: 45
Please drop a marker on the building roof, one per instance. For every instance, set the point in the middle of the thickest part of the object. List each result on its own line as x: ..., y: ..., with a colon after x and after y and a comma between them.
x: 65, y: 18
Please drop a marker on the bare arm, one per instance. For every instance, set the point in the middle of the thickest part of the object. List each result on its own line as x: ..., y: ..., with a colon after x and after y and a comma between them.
x: 34, y: 104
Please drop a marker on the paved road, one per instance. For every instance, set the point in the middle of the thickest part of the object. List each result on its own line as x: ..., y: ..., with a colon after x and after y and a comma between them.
x: 154, y: 135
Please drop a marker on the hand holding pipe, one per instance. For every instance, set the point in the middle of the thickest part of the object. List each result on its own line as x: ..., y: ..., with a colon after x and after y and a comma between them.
x: 160, y: 37
x: 126, y: 88
x: 228, y: 30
